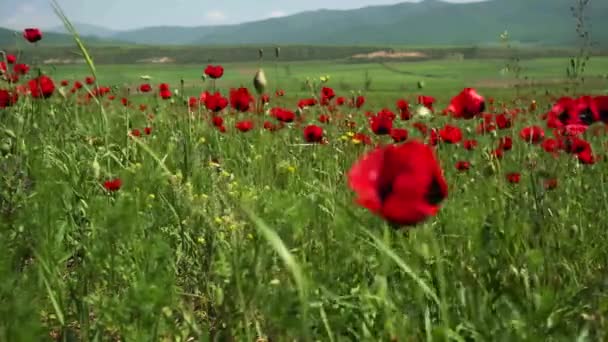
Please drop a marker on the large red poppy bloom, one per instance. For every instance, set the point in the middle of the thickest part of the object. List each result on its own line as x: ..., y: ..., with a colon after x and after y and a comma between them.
x: 450, y: 134
x: 214, y: 102
x: 32, y: 35
x: 214, y: 72
x: 313, y: 134
x: 467, y: 105
x: 7, y: 98
x: 403, y: 184
x: 41, y: 87
x: 240, y: 99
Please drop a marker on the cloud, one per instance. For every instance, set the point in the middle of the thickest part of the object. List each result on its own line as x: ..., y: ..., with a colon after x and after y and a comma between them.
x: 28, y: 15
x: 276, y: 14
x: 215, y: 15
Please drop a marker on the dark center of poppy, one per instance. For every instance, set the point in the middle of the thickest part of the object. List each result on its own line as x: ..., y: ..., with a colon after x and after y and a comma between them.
x: 564, y: 117
x: 382, y: 130
x: 384, y: 191
x: 586, y: 116
x: 435, y: 193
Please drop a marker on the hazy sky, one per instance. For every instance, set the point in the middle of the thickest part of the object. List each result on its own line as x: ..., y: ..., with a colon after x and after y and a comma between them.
x: 125, y: 14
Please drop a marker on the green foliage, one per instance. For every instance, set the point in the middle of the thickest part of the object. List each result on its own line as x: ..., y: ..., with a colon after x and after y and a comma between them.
x: 267, y: 242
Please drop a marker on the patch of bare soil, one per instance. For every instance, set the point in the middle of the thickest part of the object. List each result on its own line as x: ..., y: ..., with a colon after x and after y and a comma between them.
x: 503, y: 83
x: 63, y: 61
x: 390, y: 55
x: 157, y: 60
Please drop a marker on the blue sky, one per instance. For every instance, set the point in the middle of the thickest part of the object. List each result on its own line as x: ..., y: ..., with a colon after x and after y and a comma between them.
x: 126, y: 14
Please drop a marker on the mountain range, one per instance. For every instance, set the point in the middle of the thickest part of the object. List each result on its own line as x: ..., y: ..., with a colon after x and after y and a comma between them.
x: 428, y: 22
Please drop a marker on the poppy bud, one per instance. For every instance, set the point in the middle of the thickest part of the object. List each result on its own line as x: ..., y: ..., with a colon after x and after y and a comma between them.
x: 277, y: 52
x: 259, y: 81
x: 261, y: 53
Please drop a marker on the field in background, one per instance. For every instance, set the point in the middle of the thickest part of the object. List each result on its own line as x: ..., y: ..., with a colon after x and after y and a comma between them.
x: 381, y: 82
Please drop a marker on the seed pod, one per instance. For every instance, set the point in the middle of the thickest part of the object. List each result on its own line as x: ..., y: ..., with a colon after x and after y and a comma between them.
x: 259, y: 81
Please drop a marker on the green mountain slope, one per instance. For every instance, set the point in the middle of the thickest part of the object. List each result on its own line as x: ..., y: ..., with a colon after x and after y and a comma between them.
x: 429, y: 22
x: 8, y: 39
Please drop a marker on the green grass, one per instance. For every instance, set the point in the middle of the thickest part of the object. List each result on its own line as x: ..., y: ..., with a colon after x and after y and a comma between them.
x: 270, y: 242
x: 440, y: 77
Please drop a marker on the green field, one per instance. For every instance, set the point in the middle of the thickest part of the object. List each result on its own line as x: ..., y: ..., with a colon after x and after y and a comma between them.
x: 441, y: 77
x: 243, y: 236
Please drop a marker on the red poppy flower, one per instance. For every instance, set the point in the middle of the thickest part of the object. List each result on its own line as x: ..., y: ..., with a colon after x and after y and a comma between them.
x: 327, y: 93
x: 218, y: 121
x: 323, y: 118
x: 463, y: 166
x: 503, y: 121
x: 574, y: 145
x: 399, y: 134
x: 216, y: 102
x: 192, y: 103
x: 280, y: 93
x: 403, y: 184
x: 244, y: 126
x: 469, y: 144
x: 601, y: 103
x: 532, y: 134
x: 381, y: 124
x: 404, y: 109
x: 421, y: 127
x: 514, y: 177
x: 165, y: 94
x: 550, y: 184
x: 124, y: 101
x: 32, y: 35
x: 569, y: 111
x: 164, y: 86
x: 2, y: 67
x: 65, y: 83
x: 11, y: 59
x: 214, y: 72
x: 89, y: 80
x: 148, y: 130
x: 8, y: 98
x: 265, y: 98
x: 506, y: 144
x: 113, y: 185
x: 269, y: 126
x: 450, y: 134
x: 145, y: 88
x: 313, y: 134
x: 136, y: 133
x: 41, y: 87
x: 240, y: 99
x: 497, y: 153
x: 307, y: 103
x: 359, y: 101
x: 586, y: 157
x: 340, y: 101
x: 77, y: 85
x: 364, y: 139
x: 283, y: 115
x: 550, y: 145
x: 467, y: 105
x: 427, y: 101
x: 21, y: 69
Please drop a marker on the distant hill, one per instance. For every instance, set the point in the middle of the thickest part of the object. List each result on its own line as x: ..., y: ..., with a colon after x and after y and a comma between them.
x: 428, y: 23
x: 88, y: 30
x: 7, y: 39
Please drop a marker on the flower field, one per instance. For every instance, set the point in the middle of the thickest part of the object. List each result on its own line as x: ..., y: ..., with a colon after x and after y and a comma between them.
x: 239, y: 206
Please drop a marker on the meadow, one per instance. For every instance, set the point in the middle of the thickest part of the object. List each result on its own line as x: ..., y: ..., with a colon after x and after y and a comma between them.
x: 128, y: 217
